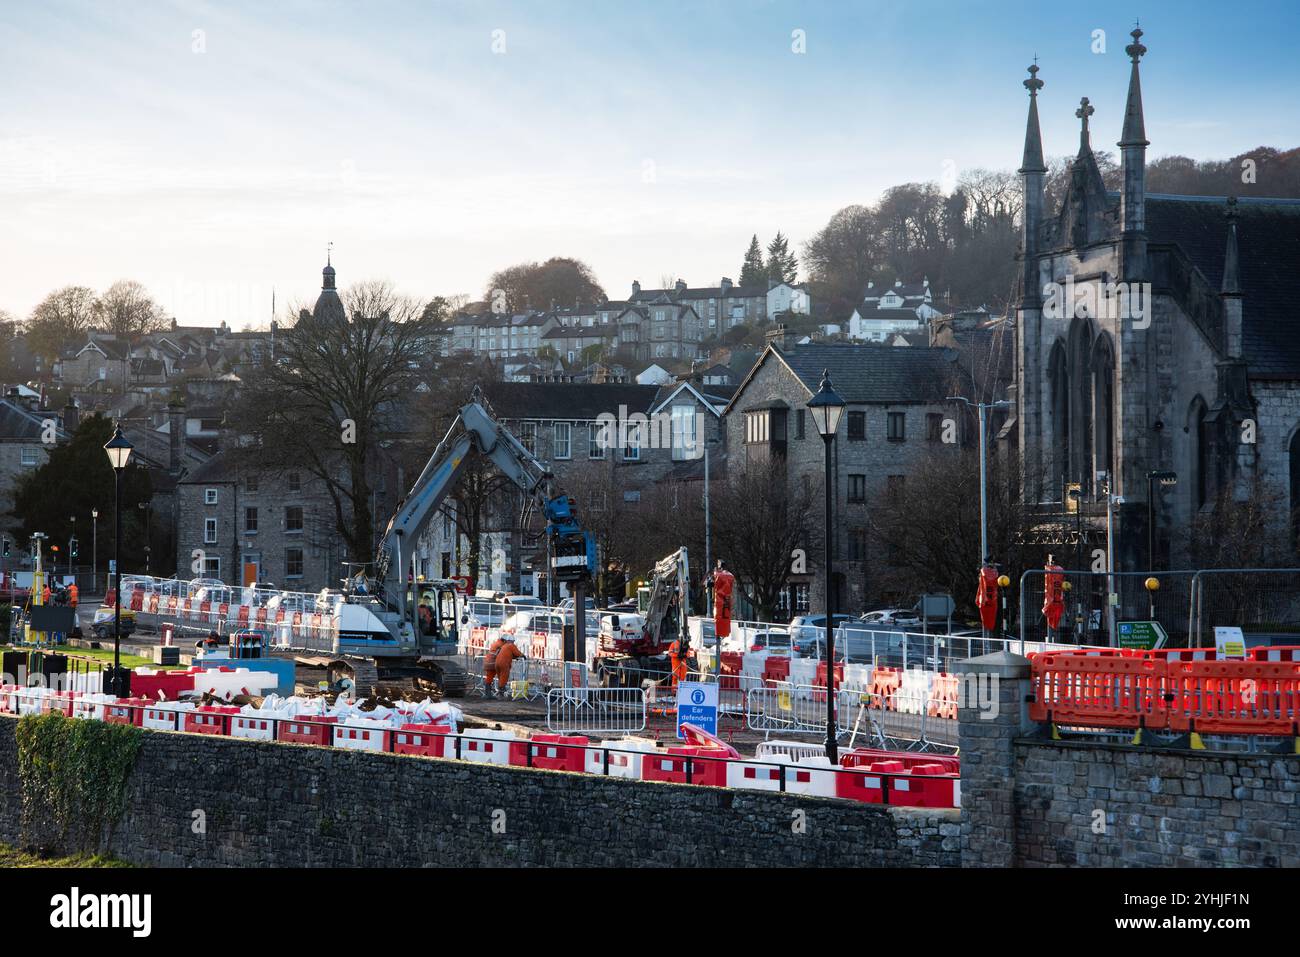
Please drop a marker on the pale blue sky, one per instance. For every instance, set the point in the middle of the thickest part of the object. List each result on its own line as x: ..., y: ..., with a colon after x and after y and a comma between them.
x: 646, y: 138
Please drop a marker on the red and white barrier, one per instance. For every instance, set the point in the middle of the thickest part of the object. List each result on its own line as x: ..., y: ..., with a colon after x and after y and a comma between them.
x: 486, y: 746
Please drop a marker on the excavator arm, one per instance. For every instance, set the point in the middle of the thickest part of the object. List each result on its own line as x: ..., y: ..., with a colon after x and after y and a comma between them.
x: 474, y: 432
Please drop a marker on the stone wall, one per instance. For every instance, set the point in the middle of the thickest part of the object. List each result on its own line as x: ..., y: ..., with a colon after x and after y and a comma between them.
x: 297, y: 806
x: 1030, y: 801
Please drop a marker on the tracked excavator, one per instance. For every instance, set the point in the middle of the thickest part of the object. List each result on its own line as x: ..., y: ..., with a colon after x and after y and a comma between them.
x: 381, y: 636
x: 665, y: 604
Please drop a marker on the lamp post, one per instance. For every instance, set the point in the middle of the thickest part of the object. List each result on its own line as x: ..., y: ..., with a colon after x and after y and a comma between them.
x: 119, y: 452
x: 708, y: 561
x: 1167, y: 480
x: 94, y: 551
x: 147, y: 508
x: 983, y: 408
x: 826, y: 407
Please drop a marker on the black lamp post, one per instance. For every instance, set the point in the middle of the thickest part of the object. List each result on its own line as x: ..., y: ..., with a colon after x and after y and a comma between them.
x: 826, y: 407
x: 119, y: 452
x: 1166, y: 479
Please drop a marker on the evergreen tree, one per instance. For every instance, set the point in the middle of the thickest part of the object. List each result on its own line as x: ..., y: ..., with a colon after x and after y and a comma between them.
x: 782, y: 265
x: 754, y: 271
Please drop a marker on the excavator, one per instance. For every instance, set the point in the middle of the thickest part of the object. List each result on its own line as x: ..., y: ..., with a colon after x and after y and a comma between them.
x: 665, y: 604
x: 381, y: 637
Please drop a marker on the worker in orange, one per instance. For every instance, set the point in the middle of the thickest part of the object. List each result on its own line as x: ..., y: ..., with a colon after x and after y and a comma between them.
x: 677, y: 653
x: 497, y: 661
x: 45, y: 594
x: 72, y: 594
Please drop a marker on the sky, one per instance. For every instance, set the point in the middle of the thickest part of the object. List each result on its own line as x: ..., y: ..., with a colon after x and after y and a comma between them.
x: 212, y: 150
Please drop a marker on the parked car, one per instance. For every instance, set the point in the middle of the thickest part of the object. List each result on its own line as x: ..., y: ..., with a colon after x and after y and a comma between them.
x: 484, y: 614
x: 774, y: 641
x: 806, y: 629
x: 532, y: 601
x: 904, y: 619
x: 857, y: 644
x: 523, y: 623
x: 102, y: 625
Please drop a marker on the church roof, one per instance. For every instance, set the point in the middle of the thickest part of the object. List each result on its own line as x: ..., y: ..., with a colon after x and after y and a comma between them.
x: 1268, y: 239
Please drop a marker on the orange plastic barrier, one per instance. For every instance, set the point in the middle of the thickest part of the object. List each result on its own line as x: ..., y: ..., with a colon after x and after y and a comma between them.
x: 1103, y: 691
x: 944, y: 689
x: 776, y: 669
x: 1234, y: 697
x: 884, y: 682
x: 1276, y: 653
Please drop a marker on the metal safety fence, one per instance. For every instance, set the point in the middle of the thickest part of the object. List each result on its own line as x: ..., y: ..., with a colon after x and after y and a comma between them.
x: 1263, y: 602
x: 1090, y: 600
x: 595, y: 710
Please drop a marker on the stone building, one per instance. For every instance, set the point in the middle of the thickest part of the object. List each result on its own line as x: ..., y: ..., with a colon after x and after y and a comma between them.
x: 1154, y: 333
x: 893, y: 422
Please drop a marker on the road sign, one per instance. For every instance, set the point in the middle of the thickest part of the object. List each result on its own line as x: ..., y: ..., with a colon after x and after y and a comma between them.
x: 1141, y: 634
x: 112, y: 565
x: 697, y: 704
x: 1229, y: 642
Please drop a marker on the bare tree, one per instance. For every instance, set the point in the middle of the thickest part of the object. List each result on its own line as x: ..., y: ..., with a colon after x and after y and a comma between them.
x: 60, y: 320
x: 760, y: 519
x: 127, y: 310
x: 333, y: 398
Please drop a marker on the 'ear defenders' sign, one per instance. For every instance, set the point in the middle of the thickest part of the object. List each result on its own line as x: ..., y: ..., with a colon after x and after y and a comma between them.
x: 697, y: 704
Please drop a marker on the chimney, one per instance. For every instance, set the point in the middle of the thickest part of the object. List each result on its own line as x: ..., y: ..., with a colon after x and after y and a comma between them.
x: 680, y: 285
x: 725, y: 286
x: 636, y: 287
x: 71, y: 418
x: 780, y: 338
x: 175, y: 436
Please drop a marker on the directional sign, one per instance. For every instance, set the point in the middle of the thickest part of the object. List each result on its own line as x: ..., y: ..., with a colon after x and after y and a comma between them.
x: 697, y: 704
x: 1141, y: 634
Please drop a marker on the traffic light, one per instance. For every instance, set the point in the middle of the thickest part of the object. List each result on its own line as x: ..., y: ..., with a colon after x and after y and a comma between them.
x: 72, y: 548
x: 6, y: 554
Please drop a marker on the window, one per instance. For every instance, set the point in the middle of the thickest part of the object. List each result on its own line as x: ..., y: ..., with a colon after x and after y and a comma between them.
x: 756, y: 427
x: 528, y: 436
x: 896, y: 426
x: 29, y: 457
x: 595, y: 446
x: 894, y: 488
x: 250, y: 520
x: 631, y: 496
x: 563, y: 440
x: 293, y: 563
x: 632, y: 450
x: 209, y: 531
x: 798, y: 423
x: 857, y: 489
x: 211, y: 567
x: 685, y: 434
x: 250, y: 483
x: 293, y: 518
x: 857, y: 426
x: 293, y: 482
x: 934, y: 427
x: 857, y: 544
x: 801, y: 604
x: 209, y: 496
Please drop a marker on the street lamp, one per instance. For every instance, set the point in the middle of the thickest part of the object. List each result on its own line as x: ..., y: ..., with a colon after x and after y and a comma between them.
x: 1167, y: 480
x: 826, y: 407
x: 94, y: 551
x: 983, y: 408
x: 119, y: 453
x: 708, y: 559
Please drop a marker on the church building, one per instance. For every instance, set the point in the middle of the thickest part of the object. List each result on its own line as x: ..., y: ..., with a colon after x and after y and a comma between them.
x: 1156, y: 334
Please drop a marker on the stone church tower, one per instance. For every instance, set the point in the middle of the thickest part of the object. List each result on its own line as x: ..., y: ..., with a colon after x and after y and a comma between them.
x: 1155, y: 333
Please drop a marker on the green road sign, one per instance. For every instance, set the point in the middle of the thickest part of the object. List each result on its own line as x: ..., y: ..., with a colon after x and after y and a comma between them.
x: 1141, y: 634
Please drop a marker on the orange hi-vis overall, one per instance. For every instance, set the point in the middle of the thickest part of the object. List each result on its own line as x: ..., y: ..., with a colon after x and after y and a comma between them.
x: 497, y: 661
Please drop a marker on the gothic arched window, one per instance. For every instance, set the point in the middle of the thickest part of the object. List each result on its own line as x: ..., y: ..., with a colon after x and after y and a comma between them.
x: 1103, y: 415
x: 1058, y: 376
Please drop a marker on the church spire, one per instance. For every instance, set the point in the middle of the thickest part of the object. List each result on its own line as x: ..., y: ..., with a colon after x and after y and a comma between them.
x: 1133, y: 160
x: 1033, y: 158
x: 1135, y: 131
x: 1032, y: 173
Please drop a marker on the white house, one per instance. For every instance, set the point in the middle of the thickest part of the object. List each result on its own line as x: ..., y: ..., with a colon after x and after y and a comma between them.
x: 904, y: 307
x: 783, y: 297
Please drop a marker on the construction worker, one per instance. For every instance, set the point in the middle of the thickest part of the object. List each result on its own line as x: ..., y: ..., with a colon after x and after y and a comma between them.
x: 45, y: 594
x: 72, y: 594
x: 497, y: 661
x: 677, y: 661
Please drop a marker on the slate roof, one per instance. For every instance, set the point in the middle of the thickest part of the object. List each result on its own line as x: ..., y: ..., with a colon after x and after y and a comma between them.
x: 874, y: 374
x: 907, y: 290
x: 871, y: 311
x: 19, y: 423
x: 1268, y: 241
x: 565, y: 400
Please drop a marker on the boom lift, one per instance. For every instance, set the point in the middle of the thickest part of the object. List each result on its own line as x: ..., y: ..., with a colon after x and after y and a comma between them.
x: 379, y: 634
